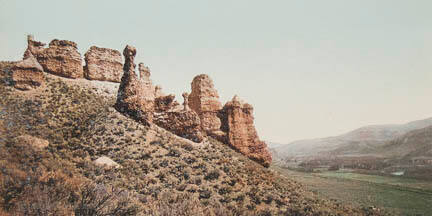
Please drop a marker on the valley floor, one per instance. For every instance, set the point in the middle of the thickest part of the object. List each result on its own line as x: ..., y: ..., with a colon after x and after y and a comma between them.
x: 402, y: 196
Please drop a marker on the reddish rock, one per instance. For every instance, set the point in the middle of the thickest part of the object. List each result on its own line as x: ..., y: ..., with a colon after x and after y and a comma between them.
x: 204, y: 100
x: 33, y: 47
x: 165, y: 103
x: 158, y: 91
x: 61, y: 58
x: 186, y: 101
x: 132, y: 98
x: 28, y: 73
x: 185, y: 124
x: 238, y: 122
x: 103, y: 64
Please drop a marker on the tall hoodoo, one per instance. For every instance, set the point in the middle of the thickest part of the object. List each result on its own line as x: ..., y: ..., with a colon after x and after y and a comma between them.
x: 204, y: 100
x: 103, y: 64
x: 186, y: 101
x: 132, y: 97
x: 239, y: 122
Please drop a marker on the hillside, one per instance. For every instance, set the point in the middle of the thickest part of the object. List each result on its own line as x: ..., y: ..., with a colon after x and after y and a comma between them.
x: 159, y: 173
x: 361, y: 141
x: 414, y: 144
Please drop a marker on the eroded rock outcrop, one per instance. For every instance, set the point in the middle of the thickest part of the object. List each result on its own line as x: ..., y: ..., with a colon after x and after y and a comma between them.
x: 185, y: 124
x: 61, y: 58
x: 132, y: 97
x: 28, y: 73
x: 33, y: 47
x: 103, y: 64
x: 204, y: 100
x: 238, y: 122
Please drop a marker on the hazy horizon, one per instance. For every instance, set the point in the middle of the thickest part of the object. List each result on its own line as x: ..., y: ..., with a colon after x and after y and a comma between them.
x: 310, y: 69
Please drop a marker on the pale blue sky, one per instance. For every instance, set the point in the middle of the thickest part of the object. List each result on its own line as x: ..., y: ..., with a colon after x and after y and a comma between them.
x: 310, y: 68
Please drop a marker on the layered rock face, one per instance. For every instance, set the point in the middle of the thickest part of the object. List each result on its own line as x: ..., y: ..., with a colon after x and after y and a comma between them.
x: 61, y: 58
x: 182, y: 122
x: 28, y: 73
x: 33, y: 47
x: 238, y: 122
x: 132, y: 98
x: 185, y: 124
x: 103, y: 64
x: 204, y: 100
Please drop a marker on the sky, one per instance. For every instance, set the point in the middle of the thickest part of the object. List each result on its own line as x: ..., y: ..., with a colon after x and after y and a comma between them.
x: 310, y: 68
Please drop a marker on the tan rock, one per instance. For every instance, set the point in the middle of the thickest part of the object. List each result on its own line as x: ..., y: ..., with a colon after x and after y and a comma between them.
x: 103, y: 64
x: 61, y: 58
x: 32, y: 141
x: 28, y: 74
x: 204, y: 100
x: 186, y: 101
x: 106, y: 162
x: 33, y: 47
x: 238, y: 121
x: 135, y: 98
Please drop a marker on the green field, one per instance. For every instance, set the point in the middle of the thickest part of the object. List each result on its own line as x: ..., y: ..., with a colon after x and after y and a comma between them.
x: 402, y: 196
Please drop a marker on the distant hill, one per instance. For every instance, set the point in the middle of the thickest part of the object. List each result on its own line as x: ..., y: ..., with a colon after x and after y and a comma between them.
x: 361, y: 141
x: 414, y: 144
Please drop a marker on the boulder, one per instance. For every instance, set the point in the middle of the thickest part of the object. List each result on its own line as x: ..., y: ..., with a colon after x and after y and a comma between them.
x: 61, y: 58
x: 238, y: 122
x: 106, y: 162
x: 103, y: 64
x: 32, y: 141
x: 28, y: 73
x: 204, y: 100
x: 135, y: 98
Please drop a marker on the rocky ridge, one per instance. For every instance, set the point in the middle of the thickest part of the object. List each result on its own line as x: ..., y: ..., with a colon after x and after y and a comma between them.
x: 201, y: 115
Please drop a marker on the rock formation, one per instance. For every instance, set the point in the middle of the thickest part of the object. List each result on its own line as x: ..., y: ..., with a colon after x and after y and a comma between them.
x: 60, y: 58
x: 165, y: 103
x: 33, y: 47
x: 103, y: 64
x: 132, y: 98
x: 204, y: 100
x: 238, y: 123
x: 28, y: 73
x: 186, y: 101
x: 170, y: 115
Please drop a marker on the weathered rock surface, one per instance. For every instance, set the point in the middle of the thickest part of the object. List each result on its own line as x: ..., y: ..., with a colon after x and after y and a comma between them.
x: 132, y: 99
x: 28, y: 73
x: 204, y: 100
x: 103, y: 64
x: 185, y: 124
x: 237, y: 121
x: 33, y: 47
x: 166, y: 103
x: 32, y: 141
x: 60, y: 58
x: 106, y: 162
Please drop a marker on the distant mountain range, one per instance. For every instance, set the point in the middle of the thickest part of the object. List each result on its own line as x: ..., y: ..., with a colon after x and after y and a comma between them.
x: 368, y: 140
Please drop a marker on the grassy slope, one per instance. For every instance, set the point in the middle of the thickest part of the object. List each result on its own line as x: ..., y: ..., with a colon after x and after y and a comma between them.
x: 162, y: 173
